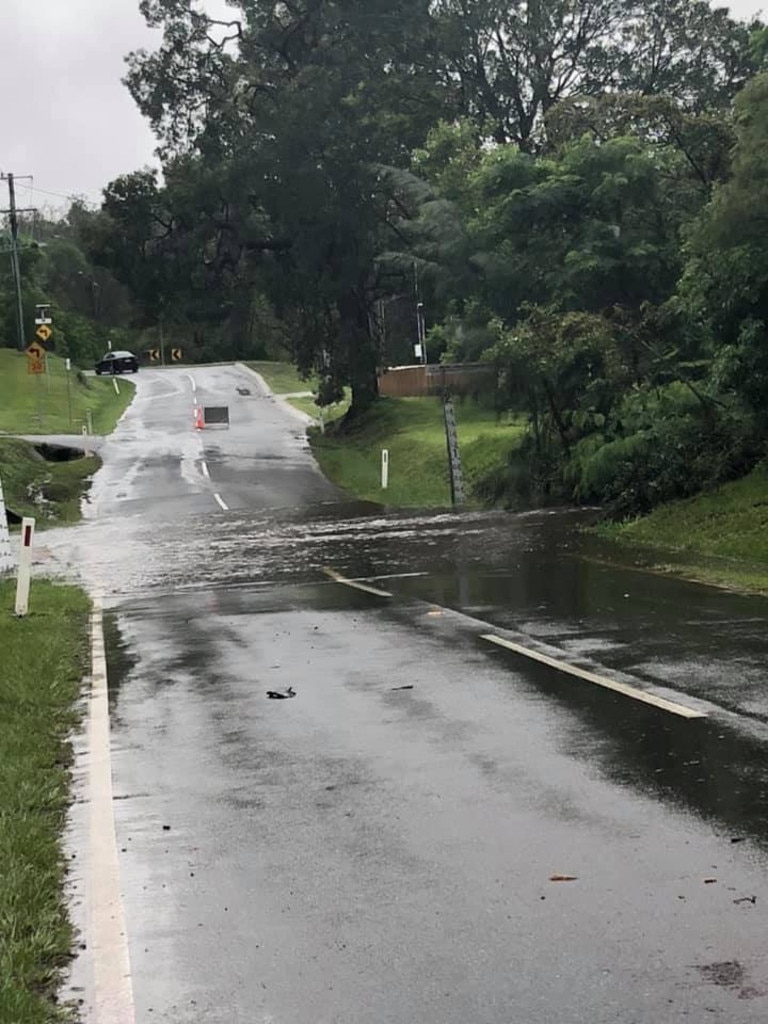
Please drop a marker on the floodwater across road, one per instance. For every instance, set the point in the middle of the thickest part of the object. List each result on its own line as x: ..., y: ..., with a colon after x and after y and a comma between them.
x: 381, y: 847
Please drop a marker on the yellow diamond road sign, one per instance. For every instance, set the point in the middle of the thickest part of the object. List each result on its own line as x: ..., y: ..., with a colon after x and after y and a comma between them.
x: 43, y: 332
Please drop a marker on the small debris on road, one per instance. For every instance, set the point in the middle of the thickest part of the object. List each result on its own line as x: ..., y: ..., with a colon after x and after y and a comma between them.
x: 746, y: 899
x: 557, y: 877
x: 166, y: 828
x: 243, y: 391
x: 709, y: 881
x: 408, y: 686
x: 281, y: 694
x: 738, y: 839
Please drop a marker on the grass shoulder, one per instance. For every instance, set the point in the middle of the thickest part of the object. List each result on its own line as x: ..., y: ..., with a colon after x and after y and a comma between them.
x: 282, y: 378
x: 719, y: 537
x: 52, y: 492
x: 59, y: 401
x: 43, y: 662
x: 413, y: 431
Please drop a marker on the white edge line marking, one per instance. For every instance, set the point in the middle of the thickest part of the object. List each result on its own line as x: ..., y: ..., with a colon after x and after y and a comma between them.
x: 592, y: 677
x: 204, y: 467
x: 393, y: 576
x: 221, y: 502
x: 338, y: 578
x: 107, y: 939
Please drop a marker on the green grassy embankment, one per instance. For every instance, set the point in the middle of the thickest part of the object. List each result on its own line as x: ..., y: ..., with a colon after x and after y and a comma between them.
x: 412, y: 430
x: 43, y: 659
x: 283, y: 379
x: 720, y: 537
x: 50, y: 404
x: 42, y: 404
x: 49, y: 491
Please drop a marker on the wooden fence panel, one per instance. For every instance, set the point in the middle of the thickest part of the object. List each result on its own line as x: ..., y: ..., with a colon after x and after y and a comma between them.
x: 434, y: 378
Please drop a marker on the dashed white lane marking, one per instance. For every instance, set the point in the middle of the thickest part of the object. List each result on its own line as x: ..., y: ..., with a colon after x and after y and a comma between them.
x: 591, y: 677
x: 204, y: 468
x: 221, y: 502
x: 107, y: 941
x: 338, y: 578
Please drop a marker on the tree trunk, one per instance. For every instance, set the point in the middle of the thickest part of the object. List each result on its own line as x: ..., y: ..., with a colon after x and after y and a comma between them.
x: 361, y: 353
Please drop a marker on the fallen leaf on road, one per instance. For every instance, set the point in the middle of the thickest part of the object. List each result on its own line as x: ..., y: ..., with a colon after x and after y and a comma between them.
x: 563, y: 878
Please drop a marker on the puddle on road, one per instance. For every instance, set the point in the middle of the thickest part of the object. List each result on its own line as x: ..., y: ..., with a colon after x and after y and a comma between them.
x: 522, y: 572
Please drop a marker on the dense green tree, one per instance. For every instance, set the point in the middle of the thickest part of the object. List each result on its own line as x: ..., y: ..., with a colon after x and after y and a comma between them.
x: 512, y: 62
x: 303, y: 104
x: 725, y: 286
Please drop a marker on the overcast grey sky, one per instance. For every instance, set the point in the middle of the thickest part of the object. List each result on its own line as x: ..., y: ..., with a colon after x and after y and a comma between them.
x: 65, y: 117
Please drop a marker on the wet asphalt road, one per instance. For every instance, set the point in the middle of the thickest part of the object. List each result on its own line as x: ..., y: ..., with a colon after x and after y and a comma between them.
x: 365, y: 853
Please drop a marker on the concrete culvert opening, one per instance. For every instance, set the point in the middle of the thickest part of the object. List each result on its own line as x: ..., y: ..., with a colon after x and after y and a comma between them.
x: 59, y: 452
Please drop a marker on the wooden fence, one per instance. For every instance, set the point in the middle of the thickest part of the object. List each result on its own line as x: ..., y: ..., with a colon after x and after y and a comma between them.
x: 434, y: 378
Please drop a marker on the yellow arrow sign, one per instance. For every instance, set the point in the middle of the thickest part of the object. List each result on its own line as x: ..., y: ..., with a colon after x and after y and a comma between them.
x: 35, y: 351
x: 176, y: 355
x: 43, y: 332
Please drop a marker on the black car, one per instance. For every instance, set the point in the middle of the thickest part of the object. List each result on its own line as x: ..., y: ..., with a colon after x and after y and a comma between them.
x: 118, y: 362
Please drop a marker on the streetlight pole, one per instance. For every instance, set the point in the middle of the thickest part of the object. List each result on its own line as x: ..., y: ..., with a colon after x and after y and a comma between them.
x: 422, y: 332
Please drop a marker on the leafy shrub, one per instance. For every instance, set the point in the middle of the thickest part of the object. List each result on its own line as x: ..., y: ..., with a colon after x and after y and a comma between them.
x: 668, y: 443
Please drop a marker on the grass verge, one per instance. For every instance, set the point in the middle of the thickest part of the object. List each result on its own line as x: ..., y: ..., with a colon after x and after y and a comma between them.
x: 43, y: 659
x: 412, y: 430
x: 720, y: 537
x: 52, y: 492
x: 57, y: 402
x: 330, y: 413
x: 282, y: 378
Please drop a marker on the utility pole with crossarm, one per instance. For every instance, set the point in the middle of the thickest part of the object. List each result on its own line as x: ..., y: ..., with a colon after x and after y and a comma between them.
x: 13, y: 217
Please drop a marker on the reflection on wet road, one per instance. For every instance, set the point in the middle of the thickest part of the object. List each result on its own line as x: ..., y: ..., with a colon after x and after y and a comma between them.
x: 371, y: 852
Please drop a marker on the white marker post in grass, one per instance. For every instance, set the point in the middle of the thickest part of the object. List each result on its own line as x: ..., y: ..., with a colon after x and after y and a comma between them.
x: 25, y: 566
x: 384, y: 468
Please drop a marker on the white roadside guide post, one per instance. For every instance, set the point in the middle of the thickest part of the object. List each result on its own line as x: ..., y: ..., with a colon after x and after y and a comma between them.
x: 384, y: 468
x: 25, y: 566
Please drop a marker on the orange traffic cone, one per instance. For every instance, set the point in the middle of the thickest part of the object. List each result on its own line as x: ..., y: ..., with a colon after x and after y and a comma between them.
x: 199, y: 422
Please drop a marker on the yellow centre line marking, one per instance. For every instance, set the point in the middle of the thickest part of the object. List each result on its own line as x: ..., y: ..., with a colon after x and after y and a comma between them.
x: 592, y: 677
x: 338, y: 578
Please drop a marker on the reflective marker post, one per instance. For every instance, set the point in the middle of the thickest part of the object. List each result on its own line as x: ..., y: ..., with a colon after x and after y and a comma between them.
x: 384, y: 468
x: 25, y: 566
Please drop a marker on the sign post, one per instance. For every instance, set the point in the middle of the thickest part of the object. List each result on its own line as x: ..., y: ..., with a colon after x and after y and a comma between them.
x: 68, y: 369
x: 454, y: 456
x: 384, y: 468
x: 6, y: 558
x: 36, y: 364
x: 36, y: 358
x: 25, y: 566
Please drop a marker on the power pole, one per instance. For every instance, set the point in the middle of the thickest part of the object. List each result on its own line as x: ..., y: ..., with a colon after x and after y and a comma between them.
x: 15, y: 267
